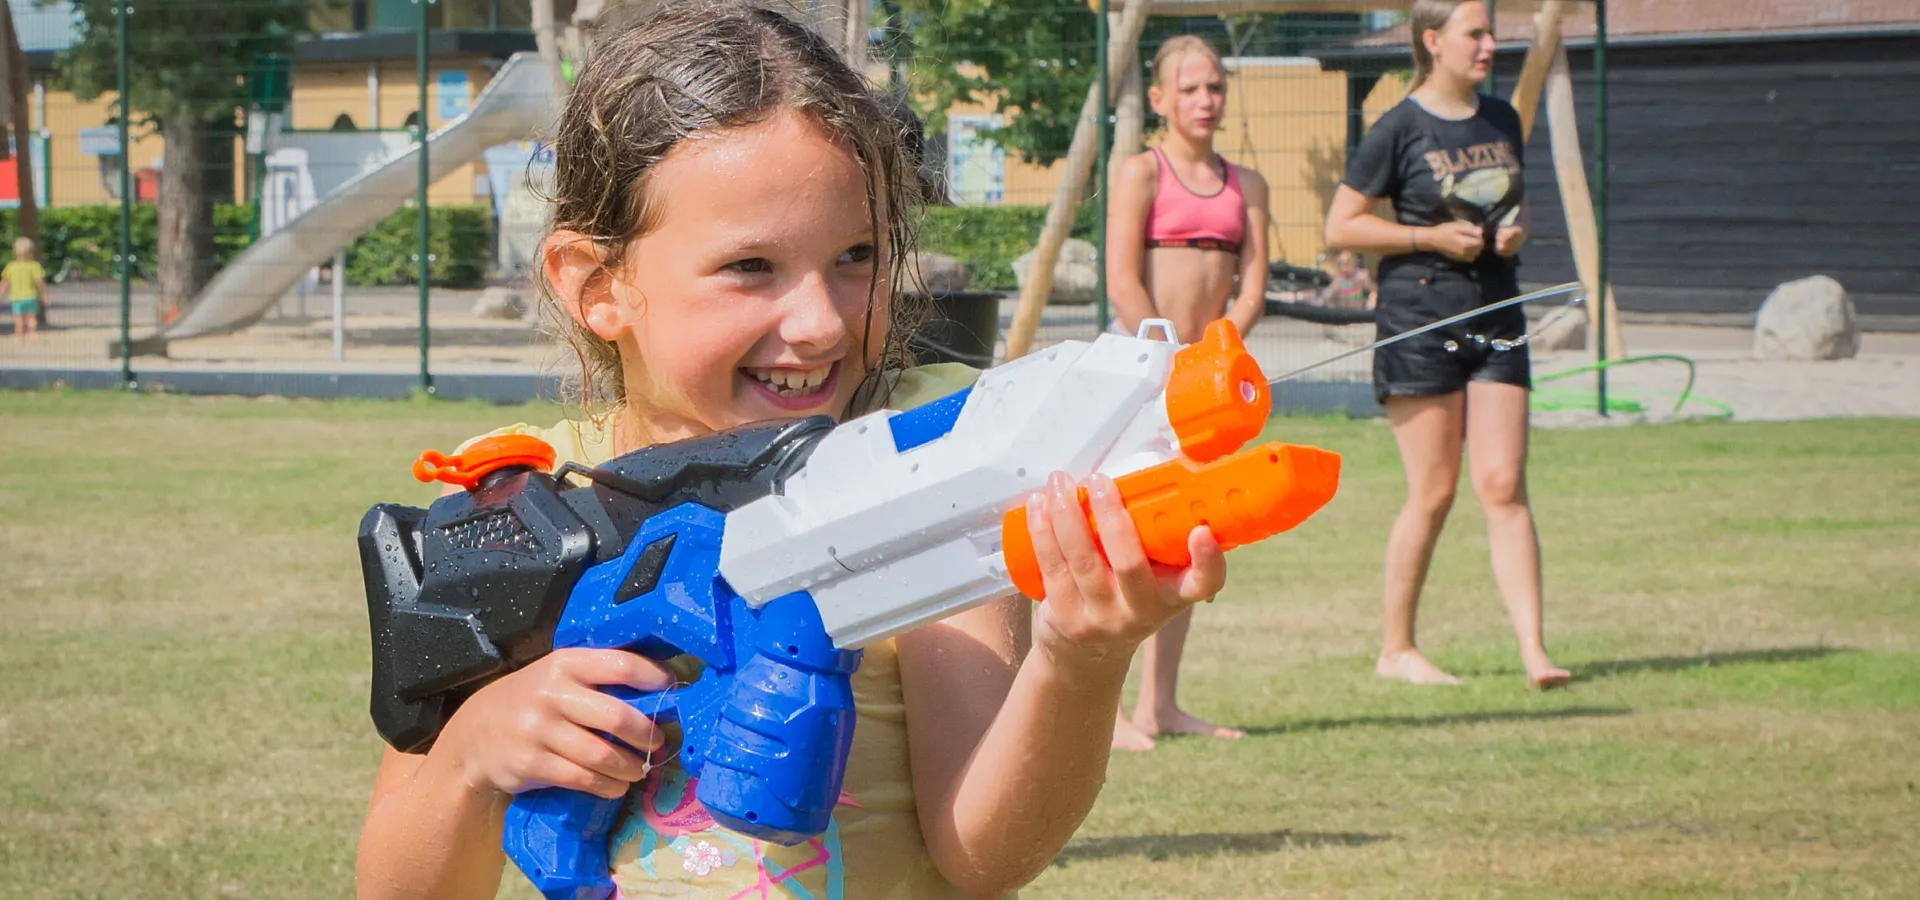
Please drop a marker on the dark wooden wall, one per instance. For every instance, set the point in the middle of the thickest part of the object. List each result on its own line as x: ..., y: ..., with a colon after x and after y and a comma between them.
x: 1736, y: 167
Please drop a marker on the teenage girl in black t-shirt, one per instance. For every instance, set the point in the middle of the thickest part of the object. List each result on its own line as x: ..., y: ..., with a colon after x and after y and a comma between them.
x: 1449, y: 159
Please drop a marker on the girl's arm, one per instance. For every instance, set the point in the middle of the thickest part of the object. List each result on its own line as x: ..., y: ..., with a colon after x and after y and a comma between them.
x: 428, y: 833
x: 1352, y: 225
x: 1251, y: 303
x: 1133, y: 190
x: 433, y: 827
x: 1009, y: 748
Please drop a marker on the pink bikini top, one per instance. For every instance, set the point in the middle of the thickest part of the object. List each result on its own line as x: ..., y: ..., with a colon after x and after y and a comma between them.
x: 1181, y: 218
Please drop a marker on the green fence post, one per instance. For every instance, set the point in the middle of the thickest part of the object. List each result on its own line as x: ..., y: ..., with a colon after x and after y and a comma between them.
x: 1102, y: 315
x: 126, y: 201
x: 426, y: 178
x: 1600, y: 186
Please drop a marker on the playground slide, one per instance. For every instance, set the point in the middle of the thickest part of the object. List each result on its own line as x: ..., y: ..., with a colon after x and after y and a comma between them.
x: 517, y: 104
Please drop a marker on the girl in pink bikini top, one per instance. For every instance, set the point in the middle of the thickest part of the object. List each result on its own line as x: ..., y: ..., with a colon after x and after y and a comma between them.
x: 1182, y: 218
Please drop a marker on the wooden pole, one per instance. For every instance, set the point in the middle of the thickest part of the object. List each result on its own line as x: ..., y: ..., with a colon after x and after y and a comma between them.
x: 1129, y: 120
x: 1533, y: 72
x: 1073, y: 179
x: 1578, y: 203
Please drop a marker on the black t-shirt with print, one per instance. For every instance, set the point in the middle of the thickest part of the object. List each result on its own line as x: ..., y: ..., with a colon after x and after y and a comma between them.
x: 1437, y: 170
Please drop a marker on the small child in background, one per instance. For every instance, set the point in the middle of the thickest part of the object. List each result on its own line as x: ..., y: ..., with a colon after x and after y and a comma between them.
x: 26, y: 287
x: 1352, y: 286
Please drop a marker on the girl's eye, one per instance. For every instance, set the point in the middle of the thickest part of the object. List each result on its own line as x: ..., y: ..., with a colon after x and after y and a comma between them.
x: 859, y: 254
x: 754, y: 266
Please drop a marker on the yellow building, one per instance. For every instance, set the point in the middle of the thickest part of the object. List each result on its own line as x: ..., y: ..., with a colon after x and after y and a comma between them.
x: 360, y: 73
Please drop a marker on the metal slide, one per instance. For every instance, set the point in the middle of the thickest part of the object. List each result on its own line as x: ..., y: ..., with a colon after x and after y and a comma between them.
x: 517, y: 104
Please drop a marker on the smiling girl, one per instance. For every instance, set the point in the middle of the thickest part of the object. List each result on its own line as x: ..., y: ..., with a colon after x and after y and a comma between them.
x: 732, y: 213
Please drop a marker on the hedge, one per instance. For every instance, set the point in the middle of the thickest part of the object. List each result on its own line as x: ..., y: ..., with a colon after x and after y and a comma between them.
x: 986, y: 238
x: 86, y: 237
x: 989, y: 238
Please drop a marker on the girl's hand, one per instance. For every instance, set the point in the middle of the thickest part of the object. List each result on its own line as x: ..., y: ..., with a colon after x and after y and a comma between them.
x: 1098, y: 610
x: 545, y: 725
x: 1457, y: 240
x: 1508, y: 240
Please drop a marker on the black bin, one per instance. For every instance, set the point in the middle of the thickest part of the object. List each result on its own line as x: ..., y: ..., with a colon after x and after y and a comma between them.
x: 964, y: 328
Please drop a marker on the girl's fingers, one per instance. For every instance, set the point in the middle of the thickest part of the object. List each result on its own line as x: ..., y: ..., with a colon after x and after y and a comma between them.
x: 1207, y: 574
x: 1062, y: 593
x: 1120, y: 541
x: 597, y: 711
x: 557, y: 771
x: 1085, y: 565
x: 606, y: 667
x: 597, y: 755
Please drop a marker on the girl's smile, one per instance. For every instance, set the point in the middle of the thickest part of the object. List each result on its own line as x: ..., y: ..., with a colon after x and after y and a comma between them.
x: 756, y: 288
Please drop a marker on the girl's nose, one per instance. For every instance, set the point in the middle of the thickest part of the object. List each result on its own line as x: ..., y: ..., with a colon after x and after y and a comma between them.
x: 810, y: 317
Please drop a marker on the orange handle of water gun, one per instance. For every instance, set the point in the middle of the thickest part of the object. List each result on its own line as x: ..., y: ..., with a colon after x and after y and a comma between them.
x: 1247, y: 497
x: 1217, y: 398
x: 484, y: 456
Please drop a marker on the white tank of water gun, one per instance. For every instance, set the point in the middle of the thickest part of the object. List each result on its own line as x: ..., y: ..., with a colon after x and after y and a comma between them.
x: 897, y: 519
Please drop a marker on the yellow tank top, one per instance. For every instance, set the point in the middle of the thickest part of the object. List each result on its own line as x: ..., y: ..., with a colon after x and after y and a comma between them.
x: 666, y: 845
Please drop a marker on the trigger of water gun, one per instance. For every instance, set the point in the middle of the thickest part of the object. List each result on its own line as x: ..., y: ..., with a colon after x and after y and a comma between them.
x: 1247, y: 497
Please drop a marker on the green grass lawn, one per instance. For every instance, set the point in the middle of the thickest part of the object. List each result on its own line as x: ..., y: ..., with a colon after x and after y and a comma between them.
x: 183, y: 670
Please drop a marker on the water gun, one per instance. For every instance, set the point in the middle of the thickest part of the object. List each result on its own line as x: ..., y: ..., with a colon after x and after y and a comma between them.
x: 774, y: 552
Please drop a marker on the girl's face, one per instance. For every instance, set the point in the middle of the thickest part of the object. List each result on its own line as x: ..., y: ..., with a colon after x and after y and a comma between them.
x: 1193, y: 98
x: 749, y: 295
x: 1465, y: 46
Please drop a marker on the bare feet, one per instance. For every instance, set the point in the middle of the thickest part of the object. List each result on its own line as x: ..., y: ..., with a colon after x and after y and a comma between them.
x: 1127, y: 737
x: 1411, y: 667
x: 1543, y: 675
x: 1178, y: 722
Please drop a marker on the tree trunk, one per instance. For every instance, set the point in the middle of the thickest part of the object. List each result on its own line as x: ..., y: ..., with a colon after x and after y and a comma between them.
x: 186, y: 217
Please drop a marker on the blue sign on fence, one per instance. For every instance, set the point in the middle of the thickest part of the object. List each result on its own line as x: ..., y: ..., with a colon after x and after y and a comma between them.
x: 453, y: 95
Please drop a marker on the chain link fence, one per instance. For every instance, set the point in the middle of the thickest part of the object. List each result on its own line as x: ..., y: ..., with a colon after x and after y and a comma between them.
x: 270, y: 187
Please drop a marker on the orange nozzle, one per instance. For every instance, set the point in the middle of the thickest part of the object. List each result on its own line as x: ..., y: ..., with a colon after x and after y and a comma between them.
x: 1217, y: 398
x: 484, y: 456
x: 1247, y: 497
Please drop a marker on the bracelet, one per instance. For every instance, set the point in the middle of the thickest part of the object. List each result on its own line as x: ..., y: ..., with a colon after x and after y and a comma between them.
x: 1413, y: 246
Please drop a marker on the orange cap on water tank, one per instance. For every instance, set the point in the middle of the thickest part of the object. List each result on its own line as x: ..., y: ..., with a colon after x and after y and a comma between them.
x: 1217, y: 397
x: 484, y: 456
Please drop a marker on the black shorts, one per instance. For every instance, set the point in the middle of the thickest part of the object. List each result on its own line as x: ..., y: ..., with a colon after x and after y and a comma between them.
x: 1442, y: 361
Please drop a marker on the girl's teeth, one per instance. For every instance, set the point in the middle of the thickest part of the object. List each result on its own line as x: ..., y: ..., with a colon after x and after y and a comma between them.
x: 788, y: 383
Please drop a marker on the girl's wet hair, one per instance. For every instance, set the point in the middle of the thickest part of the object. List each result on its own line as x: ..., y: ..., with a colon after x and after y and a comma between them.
x: 695, y: 66
x: 1173, y: 49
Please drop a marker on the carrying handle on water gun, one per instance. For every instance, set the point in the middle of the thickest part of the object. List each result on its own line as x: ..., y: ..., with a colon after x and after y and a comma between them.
x: 1217, y: 400
x: 482, y: 458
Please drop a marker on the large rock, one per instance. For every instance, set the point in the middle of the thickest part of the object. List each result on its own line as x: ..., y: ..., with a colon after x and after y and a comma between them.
x: 942, y: 274
x: 500, y: 303
x: 1076, y: 274
x: 1811, y: 318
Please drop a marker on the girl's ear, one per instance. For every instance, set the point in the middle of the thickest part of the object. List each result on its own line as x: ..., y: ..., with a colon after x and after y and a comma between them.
x: 576, y: 269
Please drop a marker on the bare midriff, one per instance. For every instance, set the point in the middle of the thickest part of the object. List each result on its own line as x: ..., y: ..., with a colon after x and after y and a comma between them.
x: 1190, y: 285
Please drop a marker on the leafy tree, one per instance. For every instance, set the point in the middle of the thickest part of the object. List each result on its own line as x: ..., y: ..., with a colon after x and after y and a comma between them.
x: 187, y: 62
x: 1035, y: 57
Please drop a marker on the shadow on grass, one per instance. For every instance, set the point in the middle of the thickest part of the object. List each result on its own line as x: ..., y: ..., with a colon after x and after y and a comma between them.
x: 1156, y: 847
x: 1615, y: 668
x: 1440, y: 720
